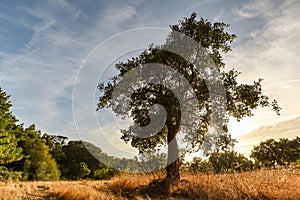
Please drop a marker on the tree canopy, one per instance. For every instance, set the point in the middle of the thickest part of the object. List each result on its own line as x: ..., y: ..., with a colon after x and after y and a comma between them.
x: 184, y: 89
x: 271, y: 152
x: 38, y: 163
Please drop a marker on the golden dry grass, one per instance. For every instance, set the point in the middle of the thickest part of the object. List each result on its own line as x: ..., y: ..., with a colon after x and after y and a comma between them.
x: 261, y: 184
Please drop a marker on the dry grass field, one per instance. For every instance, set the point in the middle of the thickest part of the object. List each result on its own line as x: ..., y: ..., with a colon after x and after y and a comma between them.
x: 262, y: 184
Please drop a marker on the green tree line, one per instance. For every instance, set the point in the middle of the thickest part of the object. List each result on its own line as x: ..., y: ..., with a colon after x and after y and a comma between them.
x: 268, y: 154
x: 27, y: 154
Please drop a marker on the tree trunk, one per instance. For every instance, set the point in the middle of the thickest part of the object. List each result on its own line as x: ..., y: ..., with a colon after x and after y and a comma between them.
x: 173, y: 174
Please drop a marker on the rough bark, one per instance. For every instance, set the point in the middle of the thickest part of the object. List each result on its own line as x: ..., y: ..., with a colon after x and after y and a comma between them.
x: 173, y: 174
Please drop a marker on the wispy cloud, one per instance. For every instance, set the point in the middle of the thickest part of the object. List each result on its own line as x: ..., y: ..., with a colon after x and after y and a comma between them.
x: 40, y: 78
x: 272, y: 53
x: 119, y: 15
x: 256, y: 8
x: 42, y: 75
x: 43, y: 45
x: 269, y: 51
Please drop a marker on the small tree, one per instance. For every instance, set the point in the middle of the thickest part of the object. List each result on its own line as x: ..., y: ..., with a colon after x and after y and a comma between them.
x: 229, y: 161
x: 75, y: 158
x: 270, y: 153
x: 197, y: 165
x: 211, y: 39
x: 80, y: 159
x: 265, y: 153
x: 38, y: 163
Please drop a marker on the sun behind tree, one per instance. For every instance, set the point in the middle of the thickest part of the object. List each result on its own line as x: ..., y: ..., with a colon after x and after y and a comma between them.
x: 239, y: 99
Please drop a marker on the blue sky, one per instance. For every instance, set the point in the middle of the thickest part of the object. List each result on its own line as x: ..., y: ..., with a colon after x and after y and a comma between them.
x: 43, y: 45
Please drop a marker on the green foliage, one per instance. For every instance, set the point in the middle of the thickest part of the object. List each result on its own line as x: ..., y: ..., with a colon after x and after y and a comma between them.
x: 270, y: 153
x: 296, y: 163
x: 25, y: 155
x: 56, y: 144
x: 6, y: 174
x: 104, y: 173
x: 9, y: 150
x: 220, y: 162
x: 74, y: 153
x: 38, y: 163
x: 76, y: 161
x: 84, y: 170
x: 197, y: 165
x: 229, y: 161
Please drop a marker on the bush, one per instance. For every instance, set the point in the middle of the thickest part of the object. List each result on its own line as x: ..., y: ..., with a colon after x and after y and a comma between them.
x: 84, y: 170
x: 7, y: 175
x: 296, y: 163
x: 104, y: 173
x: 229, y: 161
x: 271, y: 153
x: 199, y: 165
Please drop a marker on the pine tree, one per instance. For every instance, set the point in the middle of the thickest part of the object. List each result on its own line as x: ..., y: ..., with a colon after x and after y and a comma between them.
x: 9, y: 150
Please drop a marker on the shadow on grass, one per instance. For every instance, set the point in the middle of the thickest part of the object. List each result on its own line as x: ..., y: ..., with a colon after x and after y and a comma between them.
x: 157, y: 189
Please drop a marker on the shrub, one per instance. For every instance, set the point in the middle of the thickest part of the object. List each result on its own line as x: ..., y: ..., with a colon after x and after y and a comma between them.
x: 6, y: 174
x: 104, y: 173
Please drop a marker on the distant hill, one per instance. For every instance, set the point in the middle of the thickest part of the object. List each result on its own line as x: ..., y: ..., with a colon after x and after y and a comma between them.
x: 285, y: 129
